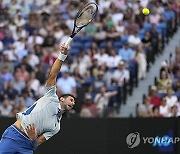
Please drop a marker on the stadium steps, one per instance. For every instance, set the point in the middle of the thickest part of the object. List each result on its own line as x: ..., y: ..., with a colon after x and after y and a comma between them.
x: 129, y: 108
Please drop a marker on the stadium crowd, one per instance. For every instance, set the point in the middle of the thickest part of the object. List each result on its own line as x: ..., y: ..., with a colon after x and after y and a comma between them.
x: 109, y: 54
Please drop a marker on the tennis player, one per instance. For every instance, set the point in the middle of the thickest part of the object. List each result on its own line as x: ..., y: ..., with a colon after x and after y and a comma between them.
x: 40, y: 121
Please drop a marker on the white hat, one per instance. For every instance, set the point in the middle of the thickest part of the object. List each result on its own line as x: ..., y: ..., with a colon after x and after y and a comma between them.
x: 164, y: 64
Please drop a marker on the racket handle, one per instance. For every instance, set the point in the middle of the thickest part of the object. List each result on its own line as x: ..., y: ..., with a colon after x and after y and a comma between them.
x: 68, y: 41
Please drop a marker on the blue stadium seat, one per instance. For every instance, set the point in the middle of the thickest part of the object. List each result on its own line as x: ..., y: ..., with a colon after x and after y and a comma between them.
x: 87, y: 38
x: 77, y: 45
x: 102, y: 44
x: 117, y: 44
x: 74, y: 51
x: 87, y: 45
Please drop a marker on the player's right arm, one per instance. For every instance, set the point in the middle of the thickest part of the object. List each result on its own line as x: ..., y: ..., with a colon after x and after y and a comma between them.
x: 51, y: 81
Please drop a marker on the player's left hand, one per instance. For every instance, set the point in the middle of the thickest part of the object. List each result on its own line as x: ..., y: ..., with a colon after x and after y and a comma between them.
x: 31, y: 131
x: 64, y: 49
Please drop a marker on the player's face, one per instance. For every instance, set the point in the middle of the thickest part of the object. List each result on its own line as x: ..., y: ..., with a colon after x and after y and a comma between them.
x: 68, y: 103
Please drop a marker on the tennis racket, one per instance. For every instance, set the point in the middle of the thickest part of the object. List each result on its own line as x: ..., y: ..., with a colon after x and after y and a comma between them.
x: 82, y: 19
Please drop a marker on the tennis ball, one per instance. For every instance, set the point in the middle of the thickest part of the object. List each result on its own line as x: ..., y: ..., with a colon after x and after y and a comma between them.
x: 145, y: 11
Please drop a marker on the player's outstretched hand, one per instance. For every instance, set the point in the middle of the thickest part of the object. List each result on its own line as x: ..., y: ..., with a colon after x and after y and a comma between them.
x: 64, y: 49
x: 31, y: 131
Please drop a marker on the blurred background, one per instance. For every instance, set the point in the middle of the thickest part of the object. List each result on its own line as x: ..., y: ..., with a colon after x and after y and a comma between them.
x: 123, y: 64
x: 108, y: 61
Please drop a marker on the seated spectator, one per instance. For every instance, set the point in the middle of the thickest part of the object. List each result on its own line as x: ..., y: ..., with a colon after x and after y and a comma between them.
x: 140, y: 58
x: 91, y: 110
x: 5, y: 107
x: 170, y: 98
x: 5, y: 76
x: 91, y: 29
x: 85, y: 113
x: 112, y: 34
x: 156, y: 112
x: 145, y: 110
x: 94, y: 69
x: 49, y: 40
x: 102, y: 99
x: 68, y: 82
x: 164, y: 108
x: 101, y: 56
x: 6, y: 62
x: 120, y: 28
x: 34, y: 83
x: 163, y: 83
x: 134, y: 39
x: 174, y: 111
x: 121, y: 75
x: 99, y: 81
x: 18, y: 83
x: 21, y: 105
x: 154, y: 17
x: 84, y: 62
x: 78, y: 78
x: 147, y: 40
x: 113, y: 59
x: 100, y: 35
x: 155, y: 100
x: 11, y: 92
x: 33, y: 59
x: 126, y: 53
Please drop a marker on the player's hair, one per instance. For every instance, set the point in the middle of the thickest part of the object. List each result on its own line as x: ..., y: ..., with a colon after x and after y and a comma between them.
x: 66, y: 95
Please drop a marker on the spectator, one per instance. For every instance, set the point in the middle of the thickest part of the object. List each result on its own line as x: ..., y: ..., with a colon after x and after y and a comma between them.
x: 156, y: 112
x: 34, y: 83
x: 113, y: 59
x: 88, y: 108
x: 164, y: 108
x: 170, y: 98
x: 102, y: 99
x: 99, y: 81
x: 174, y: 111
x: 126, y: 53
x: 6, y: 107
x: 101, y: 56
x: 5, y: 76
x: 68, y: 82
x: 155, y: 100
x: 163, y: 83
x: 121, y: 75
x: 18, y: 83
x: 22, y: 106
x: 134, y: 39
x: 145, y: 110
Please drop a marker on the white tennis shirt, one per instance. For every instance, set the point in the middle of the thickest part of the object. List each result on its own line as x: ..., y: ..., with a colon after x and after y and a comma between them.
x: 45, y: 114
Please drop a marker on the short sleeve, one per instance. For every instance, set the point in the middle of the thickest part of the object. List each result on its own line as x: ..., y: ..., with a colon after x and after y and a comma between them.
x: 50, y: 91
x: 48, y: 135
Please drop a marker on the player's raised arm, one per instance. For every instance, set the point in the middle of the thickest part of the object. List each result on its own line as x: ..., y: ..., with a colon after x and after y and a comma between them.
x: 57, y: 66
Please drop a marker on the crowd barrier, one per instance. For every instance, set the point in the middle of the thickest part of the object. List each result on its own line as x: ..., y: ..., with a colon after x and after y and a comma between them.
x: 109, y: 136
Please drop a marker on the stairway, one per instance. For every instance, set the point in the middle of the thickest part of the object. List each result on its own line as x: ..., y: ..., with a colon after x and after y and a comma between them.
x: 129, y: 108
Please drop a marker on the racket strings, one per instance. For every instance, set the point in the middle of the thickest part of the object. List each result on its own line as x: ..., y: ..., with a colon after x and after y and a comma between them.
x: 86, y: 15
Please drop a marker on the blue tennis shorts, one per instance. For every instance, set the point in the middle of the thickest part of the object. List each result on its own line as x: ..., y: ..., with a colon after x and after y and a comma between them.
x: 14, y: 141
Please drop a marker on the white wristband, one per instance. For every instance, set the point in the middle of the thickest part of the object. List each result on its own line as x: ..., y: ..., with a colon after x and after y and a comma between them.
x: 62, y: 57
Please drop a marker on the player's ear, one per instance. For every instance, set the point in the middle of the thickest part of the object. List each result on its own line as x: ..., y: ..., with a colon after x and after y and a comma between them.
x: 61, y: 99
